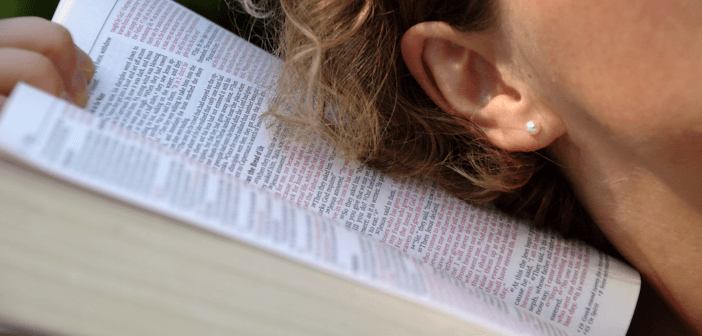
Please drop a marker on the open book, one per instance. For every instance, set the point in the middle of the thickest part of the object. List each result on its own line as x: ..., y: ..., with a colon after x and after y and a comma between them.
x: 173, y: 127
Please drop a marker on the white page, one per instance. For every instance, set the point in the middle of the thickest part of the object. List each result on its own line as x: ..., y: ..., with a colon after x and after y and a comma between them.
x: 69, y: 143
x: 193, y: 87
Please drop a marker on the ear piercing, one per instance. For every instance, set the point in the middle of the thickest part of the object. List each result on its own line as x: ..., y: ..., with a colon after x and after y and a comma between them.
x: 531, y: 127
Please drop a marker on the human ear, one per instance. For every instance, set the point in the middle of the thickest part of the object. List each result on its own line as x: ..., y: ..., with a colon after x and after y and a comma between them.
x: 464, y: 74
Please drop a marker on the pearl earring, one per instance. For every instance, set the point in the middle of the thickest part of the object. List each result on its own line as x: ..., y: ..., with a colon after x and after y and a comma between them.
x: 531, y: 127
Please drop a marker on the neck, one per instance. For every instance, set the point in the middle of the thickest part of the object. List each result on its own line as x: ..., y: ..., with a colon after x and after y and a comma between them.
x: 652, y: 224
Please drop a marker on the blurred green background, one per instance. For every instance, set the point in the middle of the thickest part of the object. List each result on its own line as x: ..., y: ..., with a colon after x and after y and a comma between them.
x: 43, y: 8
x: 215, y: 10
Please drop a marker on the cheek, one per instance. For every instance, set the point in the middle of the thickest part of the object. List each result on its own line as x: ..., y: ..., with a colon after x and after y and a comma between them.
x: 623, y: 63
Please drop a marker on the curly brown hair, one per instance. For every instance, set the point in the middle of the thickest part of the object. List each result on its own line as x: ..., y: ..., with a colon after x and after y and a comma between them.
x: 345, y: 79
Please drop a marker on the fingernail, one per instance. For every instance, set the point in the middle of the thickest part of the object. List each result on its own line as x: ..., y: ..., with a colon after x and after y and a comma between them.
x: 65, y: 96
x: 79, y: 88
x: 85, y: 64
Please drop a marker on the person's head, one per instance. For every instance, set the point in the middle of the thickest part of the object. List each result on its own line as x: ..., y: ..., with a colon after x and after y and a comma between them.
x: 444, y: 89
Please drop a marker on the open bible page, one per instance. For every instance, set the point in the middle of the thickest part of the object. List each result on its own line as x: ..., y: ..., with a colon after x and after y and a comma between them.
x: 65, y: 141
x: 169, y: 75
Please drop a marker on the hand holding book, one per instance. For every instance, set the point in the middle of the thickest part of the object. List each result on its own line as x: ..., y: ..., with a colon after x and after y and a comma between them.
x: 42, y: 53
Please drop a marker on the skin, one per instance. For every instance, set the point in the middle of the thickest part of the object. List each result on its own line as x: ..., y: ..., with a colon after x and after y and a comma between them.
x: 42, y: 53
x: 616, y: 88
x: 628, y: 90
x: 613, y: 85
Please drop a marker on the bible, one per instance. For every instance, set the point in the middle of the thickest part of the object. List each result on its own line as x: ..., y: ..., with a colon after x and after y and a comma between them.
x: 167, y: 206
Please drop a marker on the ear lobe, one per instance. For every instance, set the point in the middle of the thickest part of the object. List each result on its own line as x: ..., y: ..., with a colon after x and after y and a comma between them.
x: 517, y: 124
x: 459, y: 72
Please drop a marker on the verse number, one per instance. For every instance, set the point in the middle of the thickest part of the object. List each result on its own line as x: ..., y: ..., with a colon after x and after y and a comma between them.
x: 583, y: 329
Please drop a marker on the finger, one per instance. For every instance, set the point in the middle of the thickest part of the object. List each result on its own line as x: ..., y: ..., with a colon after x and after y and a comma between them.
x: 3, y: 98
x: 55, y: 42
x: 30, y: 67
x: 85, y: 64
